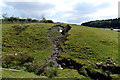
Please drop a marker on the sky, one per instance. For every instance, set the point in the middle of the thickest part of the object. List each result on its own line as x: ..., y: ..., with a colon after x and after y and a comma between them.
x: 67, y: 11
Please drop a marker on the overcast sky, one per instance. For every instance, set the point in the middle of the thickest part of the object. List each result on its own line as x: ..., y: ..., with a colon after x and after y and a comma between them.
x: 70, y: 11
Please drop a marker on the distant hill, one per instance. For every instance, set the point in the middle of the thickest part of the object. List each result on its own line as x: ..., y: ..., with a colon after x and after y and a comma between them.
x: 110, y: 23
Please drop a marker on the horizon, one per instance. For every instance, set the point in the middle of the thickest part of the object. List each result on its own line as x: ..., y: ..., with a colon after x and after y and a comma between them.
x: 62, y: 22
x: 66, y: 11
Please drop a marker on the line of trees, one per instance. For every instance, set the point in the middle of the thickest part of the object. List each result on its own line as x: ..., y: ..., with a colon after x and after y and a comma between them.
x: 17, y: 20
x: 110, y: 23
x: 23, y: 20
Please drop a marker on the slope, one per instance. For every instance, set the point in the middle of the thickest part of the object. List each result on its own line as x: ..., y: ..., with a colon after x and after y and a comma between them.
x: 84, y: 45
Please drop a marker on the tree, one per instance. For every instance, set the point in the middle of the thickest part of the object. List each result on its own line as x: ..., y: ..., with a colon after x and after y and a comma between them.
x: 29, y: 20
x: 109, y: 23
x: 43, y: 17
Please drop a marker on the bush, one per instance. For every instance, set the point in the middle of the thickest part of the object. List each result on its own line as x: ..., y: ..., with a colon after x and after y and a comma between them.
x: 16, y: 60
x: 51, y: 72
x: 50, y: 21
x: 46, y: 21
x: 19, y: 28
x: 40, y: 68
x: 45, y: 68
x: 51, y: 69
x: 8, y: 61
x: 82, y: 71
x: 25, y: 58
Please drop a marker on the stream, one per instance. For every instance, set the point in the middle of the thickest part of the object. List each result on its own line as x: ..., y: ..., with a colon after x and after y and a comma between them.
x: 57, y: 35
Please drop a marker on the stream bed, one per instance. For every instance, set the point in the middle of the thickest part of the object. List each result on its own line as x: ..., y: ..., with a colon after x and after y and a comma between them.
x: 57, y: 35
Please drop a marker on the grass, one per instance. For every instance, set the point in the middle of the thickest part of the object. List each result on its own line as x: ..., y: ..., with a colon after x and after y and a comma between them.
x: 0, y: 48
x: 84, y: 44
x: 11, y: 74
x: 68, y: 73
x: 33, y: 40
x: 102, y: 43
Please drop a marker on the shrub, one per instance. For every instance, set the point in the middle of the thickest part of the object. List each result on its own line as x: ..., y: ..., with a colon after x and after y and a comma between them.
x: 51, y: 69
x: 51, y: 72
x: 16, y: 60
x: 8, y: 61
x: 25, y: 58
x: 45, y: 68
x: 19, y: 28
x: 40, y: 68
x: 46, y: 21
x: 82, y: 71
x: 50, y: 21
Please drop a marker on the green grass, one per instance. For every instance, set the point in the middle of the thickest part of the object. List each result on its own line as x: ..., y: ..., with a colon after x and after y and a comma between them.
x: 68, y: 73
x: 0, y: 35
x: 0, y: 48
x: 84, y: 44
x: 33, y: 40
x: 11, y: 74
x: 102, y: 43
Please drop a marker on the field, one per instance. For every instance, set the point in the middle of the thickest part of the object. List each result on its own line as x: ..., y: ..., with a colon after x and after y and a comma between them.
x: 84, y: 46
x: 101, y: 43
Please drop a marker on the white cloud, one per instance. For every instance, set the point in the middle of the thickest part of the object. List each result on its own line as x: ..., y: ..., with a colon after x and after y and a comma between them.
x: 1, y: 5
x: 93, y: 10
x: 72, y: 11
x: 28, y: 9
x: 109, y: 12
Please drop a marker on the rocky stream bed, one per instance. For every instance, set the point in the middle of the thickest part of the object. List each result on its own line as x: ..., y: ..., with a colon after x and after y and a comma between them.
x: 57, y: 35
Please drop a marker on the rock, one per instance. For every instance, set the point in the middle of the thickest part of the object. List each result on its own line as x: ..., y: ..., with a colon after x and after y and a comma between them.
x: 56, y: 41
x: 66, y: 29
x: 98, y: 64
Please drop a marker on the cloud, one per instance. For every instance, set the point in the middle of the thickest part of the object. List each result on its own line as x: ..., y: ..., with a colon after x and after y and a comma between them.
x: 1, y: 5
x: 34, y: 6
x: 87, y: 11
x: 71, y: 11
x: 30, y: 9
x: 88, y: 8
x: 119, y: 9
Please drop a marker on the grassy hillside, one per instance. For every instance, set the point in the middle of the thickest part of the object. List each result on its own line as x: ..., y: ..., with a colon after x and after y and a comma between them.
x: 85, y: 46
x: 11, y: 74
x: 32, y: 40
x: 62, y: 74
x: 93, y: 44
